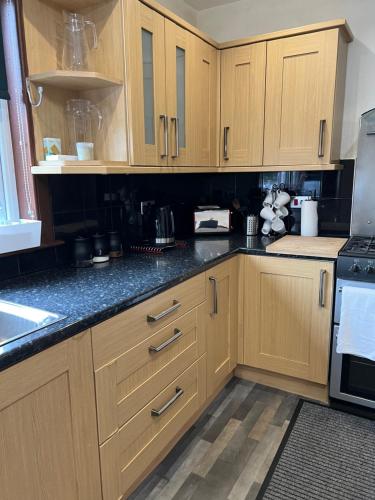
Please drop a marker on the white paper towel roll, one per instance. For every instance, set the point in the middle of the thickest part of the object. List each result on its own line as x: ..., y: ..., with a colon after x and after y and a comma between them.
x: 309, y: 218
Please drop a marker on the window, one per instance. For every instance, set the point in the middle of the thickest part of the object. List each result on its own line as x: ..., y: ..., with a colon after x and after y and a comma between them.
x: 9, y: 211
x: 17, y: 198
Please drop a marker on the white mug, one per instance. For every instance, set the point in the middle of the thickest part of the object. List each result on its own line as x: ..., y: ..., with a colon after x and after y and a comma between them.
x: 268, y: 214
x: 278, y: 226
x: 268, y: 200
x: 266, y: 229
x: 85, y: 150
x: 282, y: 212
x: 282, y: 199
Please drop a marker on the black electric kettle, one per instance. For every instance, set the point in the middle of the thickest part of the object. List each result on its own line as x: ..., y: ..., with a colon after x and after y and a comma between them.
x: 164, y: 226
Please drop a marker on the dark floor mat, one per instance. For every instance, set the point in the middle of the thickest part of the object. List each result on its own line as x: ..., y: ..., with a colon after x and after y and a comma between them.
x: 325, y: 455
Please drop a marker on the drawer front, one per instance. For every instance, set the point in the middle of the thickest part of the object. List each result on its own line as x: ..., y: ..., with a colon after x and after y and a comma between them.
x: 122, y: 332
x: 127, y: 384
x: 132, y: 450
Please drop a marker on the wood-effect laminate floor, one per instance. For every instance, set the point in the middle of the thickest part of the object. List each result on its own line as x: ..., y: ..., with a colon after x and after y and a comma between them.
x: 227, y: 453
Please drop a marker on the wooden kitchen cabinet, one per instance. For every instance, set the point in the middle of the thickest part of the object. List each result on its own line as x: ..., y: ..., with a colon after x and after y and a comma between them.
x: 304, y: 98
x: 222, y: 322
x: 179, y: 53
x: 48, y: 437
x: 146, y: 89
x: 172, y: 92
x: 287, y: 316
x: 206, y: 109
x: 102, y: 84
x: 242, y: 105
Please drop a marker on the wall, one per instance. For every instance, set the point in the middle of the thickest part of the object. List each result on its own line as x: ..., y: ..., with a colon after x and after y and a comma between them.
x: 182, y: 9
x: 249, y: 17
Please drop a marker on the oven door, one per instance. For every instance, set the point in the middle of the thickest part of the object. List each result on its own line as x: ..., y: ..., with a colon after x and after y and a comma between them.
x: 340, y: 283
x: 352, y: 378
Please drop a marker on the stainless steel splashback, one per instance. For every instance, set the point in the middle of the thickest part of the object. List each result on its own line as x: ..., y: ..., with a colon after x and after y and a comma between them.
x: 363, y: 209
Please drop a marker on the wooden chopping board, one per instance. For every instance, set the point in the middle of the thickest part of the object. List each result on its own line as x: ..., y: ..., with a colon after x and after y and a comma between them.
x: 307, y: 245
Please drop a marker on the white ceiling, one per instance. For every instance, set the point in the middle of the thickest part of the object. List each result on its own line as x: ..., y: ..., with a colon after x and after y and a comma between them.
x: 207, y: 4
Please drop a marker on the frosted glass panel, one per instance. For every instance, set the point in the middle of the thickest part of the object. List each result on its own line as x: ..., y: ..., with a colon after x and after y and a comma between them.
x: 180, y: 82
x: 148, y: 86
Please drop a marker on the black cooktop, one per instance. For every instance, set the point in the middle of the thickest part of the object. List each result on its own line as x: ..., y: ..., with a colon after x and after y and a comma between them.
x: 361, y: 246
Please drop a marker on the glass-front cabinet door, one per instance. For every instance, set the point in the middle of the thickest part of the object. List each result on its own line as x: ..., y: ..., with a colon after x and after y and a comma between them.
x: 179, y: 49
x: 146, y: 93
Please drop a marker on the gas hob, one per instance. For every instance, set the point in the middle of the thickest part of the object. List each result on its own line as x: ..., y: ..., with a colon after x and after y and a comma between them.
x: 357, y: 259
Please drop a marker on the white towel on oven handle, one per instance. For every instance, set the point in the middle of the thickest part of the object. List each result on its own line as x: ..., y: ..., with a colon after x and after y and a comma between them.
x: 356, y: 334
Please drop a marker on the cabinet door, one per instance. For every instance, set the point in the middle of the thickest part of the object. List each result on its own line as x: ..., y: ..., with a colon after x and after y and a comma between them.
x: 242, y: 105
x: 48, y: 437
x: 145, y: 87
x: 206, y: 104
x: 179, y: 51
x: 222, y: 321
x: 287, y: 316
x: 300, y: 95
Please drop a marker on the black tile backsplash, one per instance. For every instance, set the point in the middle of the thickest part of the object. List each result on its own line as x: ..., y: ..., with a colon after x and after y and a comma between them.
x: 85, y: 204
x: 110, y: 202
x: 37, y: 259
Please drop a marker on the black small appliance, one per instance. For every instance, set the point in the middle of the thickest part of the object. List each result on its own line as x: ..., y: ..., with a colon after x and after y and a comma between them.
x: 101, y: 248
x: 164, y: 226
x: 82, y: 252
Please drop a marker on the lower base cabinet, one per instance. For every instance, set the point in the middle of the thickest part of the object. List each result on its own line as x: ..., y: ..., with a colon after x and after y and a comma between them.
x: 89, y: 418
x: 129, y: 454
x: 48, y: 435
x: 287, y: 316
x: 221, y: 322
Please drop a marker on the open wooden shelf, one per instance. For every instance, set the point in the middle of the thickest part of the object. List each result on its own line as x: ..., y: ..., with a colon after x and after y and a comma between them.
x: 73, y: 5
x: 74, y: 80
x: 119, y: 167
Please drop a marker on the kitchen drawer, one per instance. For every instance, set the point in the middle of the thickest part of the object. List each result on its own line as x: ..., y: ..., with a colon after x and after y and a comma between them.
x: 129, y: 453
x: 117, y: 335
x: 126, y: 385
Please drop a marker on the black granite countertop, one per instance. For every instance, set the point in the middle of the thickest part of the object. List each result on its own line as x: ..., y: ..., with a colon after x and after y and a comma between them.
x: 88, y: 296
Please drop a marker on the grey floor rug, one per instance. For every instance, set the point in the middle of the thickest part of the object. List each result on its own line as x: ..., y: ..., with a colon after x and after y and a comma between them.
x: 326, y: 454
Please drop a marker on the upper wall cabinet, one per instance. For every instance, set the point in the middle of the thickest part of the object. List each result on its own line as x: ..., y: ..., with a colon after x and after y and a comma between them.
x: 242, y: 105
x: 206, y: 111
x: 304, y: 99
x: 172, y: 91
x: 74, y: 51
x: 146, y: 95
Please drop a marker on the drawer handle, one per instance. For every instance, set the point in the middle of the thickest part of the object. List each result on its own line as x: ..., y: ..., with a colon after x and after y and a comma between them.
x: 152, y: 318
x: 323, y: 273
x: 158, y: 413
x: 176, y: 336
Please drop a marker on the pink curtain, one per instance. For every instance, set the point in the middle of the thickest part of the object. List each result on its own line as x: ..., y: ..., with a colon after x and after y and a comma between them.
x: 18, y: 111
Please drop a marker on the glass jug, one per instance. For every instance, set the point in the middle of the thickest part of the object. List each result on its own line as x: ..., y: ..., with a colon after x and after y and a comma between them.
x: 84, y: 120
x: 76, y: 47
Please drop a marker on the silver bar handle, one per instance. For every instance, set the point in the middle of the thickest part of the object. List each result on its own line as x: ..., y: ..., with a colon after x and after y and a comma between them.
x: 164, y: 118
x: 226, y: 131
x: 164, y: 345
x: 322, y: 128
x: 158, y: 413
x: 322, y: 287
x: 215, y: 305
x: 151, y: 318
x: 176, y: 121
